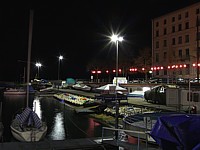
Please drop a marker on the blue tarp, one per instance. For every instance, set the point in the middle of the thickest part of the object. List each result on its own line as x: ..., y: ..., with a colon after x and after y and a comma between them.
x: 177, y: 132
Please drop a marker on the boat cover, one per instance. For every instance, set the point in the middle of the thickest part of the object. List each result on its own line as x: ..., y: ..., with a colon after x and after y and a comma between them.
x: 29, y: 117
x: 177, y: 132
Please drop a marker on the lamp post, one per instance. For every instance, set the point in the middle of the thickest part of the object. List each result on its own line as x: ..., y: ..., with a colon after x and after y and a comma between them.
x: 60, y: 58
x: 38, y: 65
x: 116, y: 39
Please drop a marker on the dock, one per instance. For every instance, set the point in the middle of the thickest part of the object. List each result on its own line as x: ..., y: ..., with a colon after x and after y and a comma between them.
x: 74, y: 144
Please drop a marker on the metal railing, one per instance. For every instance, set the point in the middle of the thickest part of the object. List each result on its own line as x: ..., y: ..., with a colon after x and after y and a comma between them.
x: 118, y: 141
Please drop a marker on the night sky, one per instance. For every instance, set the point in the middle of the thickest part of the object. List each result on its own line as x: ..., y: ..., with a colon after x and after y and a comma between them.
x: 78, y: 30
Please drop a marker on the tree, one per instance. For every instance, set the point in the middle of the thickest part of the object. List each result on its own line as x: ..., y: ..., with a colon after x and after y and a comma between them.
x: 144, y: 60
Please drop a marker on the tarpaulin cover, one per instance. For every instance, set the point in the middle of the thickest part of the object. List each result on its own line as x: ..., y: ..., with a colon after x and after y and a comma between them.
x: 177, y: 132
x: 29, y: 117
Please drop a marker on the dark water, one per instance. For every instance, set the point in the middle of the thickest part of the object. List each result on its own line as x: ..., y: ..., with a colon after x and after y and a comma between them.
x: 63, y: 123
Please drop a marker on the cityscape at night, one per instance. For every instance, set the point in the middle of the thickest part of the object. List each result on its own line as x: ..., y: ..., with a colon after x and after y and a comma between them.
x: 103, y: 75
x: 79, y: 31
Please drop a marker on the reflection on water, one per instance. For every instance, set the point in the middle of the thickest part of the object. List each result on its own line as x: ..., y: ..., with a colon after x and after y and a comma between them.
x: 62, y: 122
x: 37, y: 107
x: 58, y: 131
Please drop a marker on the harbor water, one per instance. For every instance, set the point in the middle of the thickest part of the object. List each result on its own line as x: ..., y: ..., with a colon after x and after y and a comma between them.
x: 62, y: 121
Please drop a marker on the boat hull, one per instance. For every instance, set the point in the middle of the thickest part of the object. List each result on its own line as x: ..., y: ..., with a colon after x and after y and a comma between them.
x: 28, y: 134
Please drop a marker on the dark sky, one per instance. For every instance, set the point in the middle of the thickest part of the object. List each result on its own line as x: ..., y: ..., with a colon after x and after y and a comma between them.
x: 78, y: 30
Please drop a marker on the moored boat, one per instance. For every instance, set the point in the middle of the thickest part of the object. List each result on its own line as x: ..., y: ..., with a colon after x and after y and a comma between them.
x: 27, y: 126
x: 143, y: 122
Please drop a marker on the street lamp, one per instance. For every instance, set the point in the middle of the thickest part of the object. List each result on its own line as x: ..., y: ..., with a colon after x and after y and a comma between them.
x: 116, y: 39
x: 38, y: 65
x: 60, y: 58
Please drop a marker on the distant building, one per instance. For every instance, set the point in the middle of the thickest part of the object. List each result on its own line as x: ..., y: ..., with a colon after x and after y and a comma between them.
x: 175, y: 39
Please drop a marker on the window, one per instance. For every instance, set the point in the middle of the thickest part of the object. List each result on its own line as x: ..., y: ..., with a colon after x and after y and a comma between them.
x: 165, y: 55
x: 179, y: 17
x: 180, y: 40
x: 157, y: 24
x: 197, y: 11
x: 157, y: 72
x: 187, y: 39
x: 157, y: 44
x: 186, y: 14
x: 165, y: 43
x: 165, y: 31
x: 165, y: 21
x: 165, y: 72
x: 187, y: 25
x: 157, y: 33
x: 179, y: 27
x: 173, y: 41
x: 196, y: 97
x: 173, y: 19
x: 157, y: 57
x: 198, y: 21
x: 187, y: 69
x: 173, y: 29
x: 198, y: 36
x: 187, y: 52
x: 180, y: 53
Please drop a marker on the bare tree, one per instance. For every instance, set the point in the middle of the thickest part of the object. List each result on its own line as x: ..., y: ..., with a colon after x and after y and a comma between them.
x: 144, y: 60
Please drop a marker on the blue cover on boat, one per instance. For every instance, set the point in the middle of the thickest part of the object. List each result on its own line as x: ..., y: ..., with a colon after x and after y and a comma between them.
x: 29, y: 117
x: 177, y: 132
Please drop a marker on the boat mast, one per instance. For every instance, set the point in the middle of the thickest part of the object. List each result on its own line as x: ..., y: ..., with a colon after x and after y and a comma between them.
x: 29, y: 56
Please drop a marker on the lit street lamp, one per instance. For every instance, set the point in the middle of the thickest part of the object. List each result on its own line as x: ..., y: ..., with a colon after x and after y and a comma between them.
x: 60, y: 58
x: 116, y: 39
x: 38, y: 65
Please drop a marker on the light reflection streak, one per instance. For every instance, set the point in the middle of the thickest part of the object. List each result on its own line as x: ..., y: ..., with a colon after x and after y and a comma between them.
x: 58, y: 131
x: 37, y: 107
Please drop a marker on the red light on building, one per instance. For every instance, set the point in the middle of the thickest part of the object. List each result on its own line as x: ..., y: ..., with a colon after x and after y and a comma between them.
x: 107, y: 71
x: 98, y: 71
x: 151, y: 68
x: 93, y: 72
x: 176, y: 66
x: 120, y: 70
x: 184, y: 66
x: 143, y: 69
x: 161, y: 67
x: 180, y: 66
x: 154, y: 68
x: 169, y: 67
x: 114, y: 71
x: 194, y: 65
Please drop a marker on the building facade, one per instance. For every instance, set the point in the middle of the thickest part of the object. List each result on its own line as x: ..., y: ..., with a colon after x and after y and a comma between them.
x: 175, y: 41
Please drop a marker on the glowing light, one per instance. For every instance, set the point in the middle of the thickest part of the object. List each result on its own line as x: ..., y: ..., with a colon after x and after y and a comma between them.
x: 116, y: 38
x: 60, y: 57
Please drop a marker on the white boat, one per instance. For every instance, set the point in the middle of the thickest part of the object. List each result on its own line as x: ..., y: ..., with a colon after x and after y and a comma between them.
x: 27, y: 126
